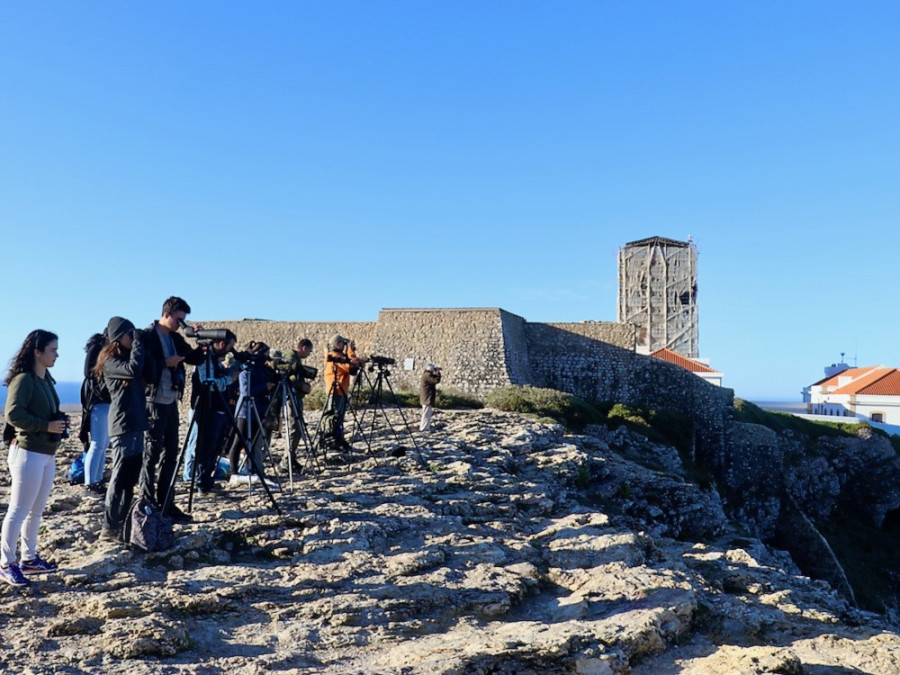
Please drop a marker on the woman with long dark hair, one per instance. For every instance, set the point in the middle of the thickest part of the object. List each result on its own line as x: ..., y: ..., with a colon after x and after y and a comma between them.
x: 120, y: 364
x: 32, y: 408
x: 95, y: 411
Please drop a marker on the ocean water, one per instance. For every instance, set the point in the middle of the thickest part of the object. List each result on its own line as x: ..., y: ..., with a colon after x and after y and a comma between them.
x: 782, y: 406
x: 69, y: 393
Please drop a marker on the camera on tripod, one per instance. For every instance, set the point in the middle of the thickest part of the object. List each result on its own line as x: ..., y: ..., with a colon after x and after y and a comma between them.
x: 247, y: 359
x: 382, y: 360
x: 280, y: 364
x: 307, y: 372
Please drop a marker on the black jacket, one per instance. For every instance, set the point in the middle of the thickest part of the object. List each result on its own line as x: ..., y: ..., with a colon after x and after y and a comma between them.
x: 93, y: 391
x: 219, y: 399
x: 127, y: 412
x: 155, y: 360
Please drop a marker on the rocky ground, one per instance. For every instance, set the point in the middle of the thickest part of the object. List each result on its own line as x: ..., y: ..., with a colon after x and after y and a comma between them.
x: 513, y: 547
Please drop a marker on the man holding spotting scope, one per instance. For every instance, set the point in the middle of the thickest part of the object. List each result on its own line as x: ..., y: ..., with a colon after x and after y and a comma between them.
x: 341, y: 363
x: 165, y: 353
x: 213, y: 421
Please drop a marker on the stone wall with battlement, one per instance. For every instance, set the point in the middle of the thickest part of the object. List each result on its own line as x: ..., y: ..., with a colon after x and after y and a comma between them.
x: 479, y: 349
x: 468, y: 344
x: 482, y: 349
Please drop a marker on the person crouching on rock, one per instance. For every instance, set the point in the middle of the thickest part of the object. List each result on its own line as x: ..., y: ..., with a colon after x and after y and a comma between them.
x: 427, y: 394
x: 32, y: 409
x: 120, y: 364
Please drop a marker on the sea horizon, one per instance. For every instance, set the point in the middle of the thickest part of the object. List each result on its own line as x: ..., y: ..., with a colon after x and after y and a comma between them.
x: 70, y: 394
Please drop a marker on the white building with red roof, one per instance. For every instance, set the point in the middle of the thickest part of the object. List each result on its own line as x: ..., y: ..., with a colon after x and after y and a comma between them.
x: 871, y: 393
x: 696, y: 366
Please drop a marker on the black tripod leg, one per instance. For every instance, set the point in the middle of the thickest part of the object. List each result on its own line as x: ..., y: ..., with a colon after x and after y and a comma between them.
x: 170, y: 492
x: 260, y: 437
x: 302, y: 436
x: 419, y: 457
x: 248, y: 449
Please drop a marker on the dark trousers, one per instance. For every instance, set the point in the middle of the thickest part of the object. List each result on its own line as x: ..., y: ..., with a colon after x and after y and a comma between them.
x: 160, y: 452
x: 209, y: 438
x: 127, y: 458
x: 338, y: 404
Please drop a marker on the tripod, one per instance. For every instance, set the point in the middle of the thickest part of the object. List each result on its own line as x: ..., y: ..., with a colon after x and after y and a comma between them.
x: 287, y: 408
x: 248, y: 412
x: 376, y: 403
x: 208, y: 403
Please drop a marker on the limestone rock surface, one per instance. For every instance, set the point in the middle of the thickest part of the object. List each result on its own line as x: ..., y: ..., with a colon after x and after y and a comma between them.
x: 496, y: 544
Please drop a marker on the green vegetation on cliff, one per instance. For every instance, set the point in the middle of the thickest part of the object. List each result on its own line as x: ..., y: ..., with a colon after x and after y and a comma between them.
x: 661, y: 426
x: 744, y: 411
x: 406, y: 398
x: 546, y: 404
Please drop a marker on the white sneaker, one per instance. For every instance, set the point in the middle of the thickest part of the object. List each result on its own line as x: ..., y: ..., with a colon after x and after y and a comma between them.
x: 252, y: 479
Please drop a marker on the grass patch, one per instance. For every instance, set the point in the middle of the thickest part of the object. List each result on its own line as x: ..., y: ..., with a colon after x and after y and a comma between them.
x: 402, y: 397
x: 453, y: 398
x: 406, y: 398
x: 744, y: 411
x: 660, y: 426
x: 566, y: 409
x: 666, y: 427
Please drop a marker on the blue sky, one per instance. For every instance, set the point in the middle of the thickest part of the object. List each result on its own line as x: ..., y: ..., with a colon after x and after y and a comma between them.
x: 320, y: 161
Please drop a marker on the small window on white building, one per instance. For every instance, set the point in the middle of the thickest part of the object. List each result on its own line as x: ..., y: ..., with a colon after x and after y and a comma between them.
x: 877, y: 417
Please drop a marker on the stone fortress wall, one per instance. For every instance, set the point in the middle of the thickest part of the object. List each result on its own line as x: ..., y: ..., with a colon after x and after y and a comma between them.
x: 482, y: 349
x: 478, y: 349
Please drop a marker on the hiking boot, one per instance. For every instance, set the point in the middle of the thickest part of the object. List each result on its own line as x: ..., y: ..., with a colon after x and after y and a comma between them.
x: 96, y: 489
x: 207, y: 489
x: 37, y: 565
x: 178, y: 515
x: 13, y: 576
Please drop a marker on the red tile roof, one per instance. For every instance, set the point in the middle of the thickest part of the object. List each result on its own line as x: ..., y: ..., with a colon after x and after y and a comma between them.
x: 852, y: 373
x: 889, y: 385
x: 683, y: 361
x: 877, y: 382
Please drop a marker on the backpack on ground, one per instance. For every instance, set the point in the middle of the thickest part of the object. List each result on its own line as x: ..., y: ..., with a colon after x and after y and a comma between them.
x: 147, y: 529
x: 76, y: 471
x: 326, y: 431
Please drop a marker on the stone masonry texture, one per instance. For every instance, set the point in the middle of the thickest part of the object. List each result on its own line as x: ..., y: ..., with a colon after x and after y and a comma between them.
x: 481, y: 349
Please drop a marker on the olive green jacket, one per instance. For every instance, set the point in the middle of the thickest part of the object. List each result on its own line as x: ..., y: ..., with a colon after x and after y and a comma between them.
x: 30, y: 403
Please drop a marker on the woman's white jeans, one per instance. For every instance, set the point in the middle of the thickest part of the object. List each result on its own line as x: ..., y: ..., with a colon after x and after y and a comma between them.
x: 32, y: 479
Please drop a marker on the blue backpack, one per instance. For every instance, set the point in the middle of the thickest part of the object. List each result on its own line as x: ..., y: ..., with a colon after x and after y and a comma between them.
x: 76, y: 471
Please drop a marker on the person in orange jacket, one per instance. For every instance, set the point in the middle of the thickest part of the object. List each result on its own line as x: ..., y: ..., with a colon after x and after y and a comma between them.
x: 341, y: 363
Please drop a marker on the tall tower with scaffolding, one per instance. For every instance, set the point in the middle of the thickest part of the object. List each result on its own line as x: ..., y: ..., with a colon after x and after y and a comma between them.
x: 658, y: 293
